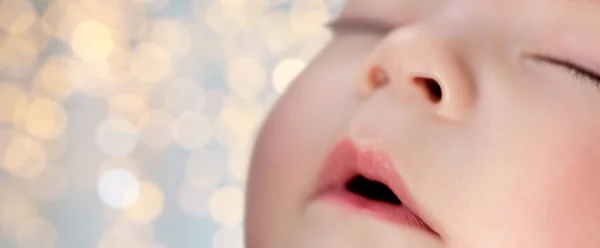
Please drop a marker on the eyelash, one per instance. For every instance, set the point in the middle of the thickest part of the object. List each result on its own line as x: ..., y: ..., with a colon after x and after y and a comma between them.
x: 576, y: 71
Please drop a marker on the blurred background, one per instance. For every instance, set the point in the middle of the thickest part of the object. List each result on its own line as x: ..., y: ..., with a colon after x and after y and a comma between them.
x: 130, y: 123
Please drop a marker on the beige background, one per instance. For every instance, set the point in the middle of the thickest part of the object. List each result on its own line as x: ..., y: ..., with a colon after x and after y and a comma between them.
x: 129, y: 123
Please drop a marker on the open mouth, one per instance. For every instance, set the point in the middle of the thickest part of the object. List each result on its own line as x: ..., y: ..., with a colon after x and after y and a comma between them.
x: 366, y: 181
x: 372, y: 190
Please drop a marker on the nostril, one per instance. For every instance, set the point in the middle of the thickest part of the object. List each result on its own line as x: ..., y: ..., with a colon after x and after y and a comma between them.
x: 431, y: 87
x: 378, y: 77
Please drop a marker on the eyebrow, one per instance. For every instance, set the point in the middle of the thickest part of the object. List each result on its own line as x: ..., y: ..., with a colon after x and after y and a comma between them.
x: 361, y: 25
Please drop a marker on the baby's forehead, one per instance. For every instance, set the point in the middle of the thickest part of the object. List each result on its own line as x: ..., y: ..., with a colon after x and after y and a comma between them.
x: 506, y: 13
x: 397, y: 7
x: 389, y: 11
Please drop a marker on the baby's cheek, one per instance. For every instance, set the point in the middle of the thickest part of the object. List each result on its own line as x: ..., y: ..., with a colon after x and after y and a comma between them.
x: 537, y: 186
x: 544, y: 180
x: 567, y: 187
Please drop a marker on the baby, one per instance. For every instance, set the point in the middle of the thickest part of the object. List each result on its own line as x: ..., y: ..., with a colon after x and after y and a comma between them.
x: 438, y: 123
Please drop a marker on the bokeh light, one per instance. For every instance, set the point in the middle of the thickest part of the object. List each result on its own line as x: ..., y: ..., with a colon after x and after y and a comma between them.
x: 124, y: 234
x: 184, y: 94
x: 158, y: 132
x: 10, y: 99
x: 148, y: 205
x: 226, y: 20
x: 120, y: 163
x: 173, y: 36
x: 36, y: 232
x: 307, y: 17
x: 50, y: 184
x: 205, y: 169
x: 126, y: 102
x: 6, y: 136
x: 116, y: 137
x: 118, y: 188
x: 246, y: 77
x: 18, y: 55
x: 24, y: 157
x: 239, y: 162
x: 16, y: 207
x: 57, y: 147
x: 238, y: 120
x: 53, y: 77
x: 285, y: 72
x: 192, y: 130
x: 124, y: 115
x: 91, y: 79
x: 226, y: 206
x: 214, y: 102
x: 229, y: 237
x: 137, y: 117
x: 17, y: 16
x: 150, y: 63
x: 92, y: 40
x: 277, y: 32
x: 153, y: 6
x: 193, y: 200
x: 45, y: 119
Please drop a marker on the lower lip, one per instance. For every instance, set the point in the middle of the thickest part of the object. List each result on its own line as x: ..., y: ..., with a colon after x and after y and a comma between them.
x: 396, y: 214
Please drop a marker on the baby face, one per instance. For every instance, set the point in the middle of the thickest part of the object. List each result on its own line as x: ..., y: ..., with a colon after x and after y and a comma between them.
x: 456, y: 123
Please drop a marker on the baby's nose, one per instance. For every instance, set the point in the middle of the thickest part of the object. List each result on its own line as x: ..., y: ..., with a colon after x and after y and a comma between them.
x: 417, y: 65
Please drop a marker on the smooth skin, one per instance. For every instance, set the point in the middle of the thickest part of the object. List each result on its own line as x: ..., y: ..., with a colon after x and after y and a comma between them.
x: 509, y: 156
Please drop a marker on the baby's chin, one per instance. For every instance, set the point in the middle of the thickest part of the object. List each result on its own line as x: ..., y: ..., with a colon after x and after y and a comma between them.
x: 328, y: 226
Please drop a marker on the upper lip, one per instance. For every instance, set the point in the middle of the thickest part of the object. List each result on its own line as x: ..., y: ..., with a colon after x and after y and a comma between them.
x: 345, y: 161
